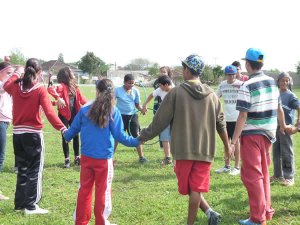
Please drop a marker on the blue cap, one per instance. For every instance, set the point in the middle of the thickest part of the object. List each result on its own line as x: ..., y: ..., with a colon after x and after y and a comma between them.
x: 195, y: 63
x: 230, y: 69
x: 255, y: 54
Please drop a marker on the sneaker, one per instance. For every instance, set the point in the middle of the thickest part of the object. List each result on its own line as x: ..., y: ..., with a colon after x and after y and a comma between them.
x: 77, y: 161
x: 167, y: 161
x: 16, y: 170
x: 235, y: 171
x: 274, y: 179
x: 37, y: 210
x: 248, y: 222
x: 288, y: 182
x: 19, y: 209
x: 3, y: 197
x: 143, y: 159
x: 67, y: 163
x: 214, y: 218
x: 224, y: 169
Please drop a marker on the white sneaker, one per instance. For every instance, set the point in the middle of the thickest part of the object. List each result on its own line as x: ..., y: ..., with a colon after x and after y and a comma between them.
x: 223, y: 170
x: 235, y: 172
x: 37, y: 210
x: 3, y: 197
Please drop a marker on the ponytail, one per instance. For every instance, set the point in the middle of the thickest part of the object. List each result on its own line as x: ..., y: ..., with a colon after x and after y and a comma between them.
x: 31, y: 69
x: 102, y: 109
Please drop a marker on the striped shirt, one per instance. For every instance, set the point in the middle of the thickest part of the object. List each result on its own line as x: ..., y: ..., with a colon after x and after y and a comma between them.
x: 259, y: 96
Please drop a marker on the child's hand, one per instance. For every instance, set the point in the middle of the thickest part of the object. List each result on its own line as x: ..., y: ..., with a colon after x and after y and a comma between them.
x: 144, y: 110
x: 60, y: 103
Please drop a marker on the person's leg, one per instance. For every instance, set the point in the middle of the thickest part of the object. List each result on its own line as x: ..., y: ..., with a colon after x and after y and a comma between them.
x: 20, y: 158
x: 83, y: 211
x: 277, y: 163
x: 34, y: 147
x: 103, y: 191
x: 65, y: 145
x: 252, y: 175
x: 134, y: 128
x: 287, y: 153
x: 3, y: 128
x: 76, y: 138
x: 194, y: 202
x: 265, y: 162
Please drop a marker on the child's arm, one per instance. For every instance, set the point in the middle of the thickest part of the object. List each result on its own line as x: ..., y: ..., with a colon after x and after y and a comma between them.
x: 298, y: 117
x: 144, y: 109
x: 53, y: 91
x: 9, y: 84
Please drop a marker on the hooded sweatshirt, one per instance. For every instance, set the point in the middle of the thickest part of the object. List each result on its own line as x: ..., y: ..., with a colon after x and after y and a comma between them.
x: 195, y: 113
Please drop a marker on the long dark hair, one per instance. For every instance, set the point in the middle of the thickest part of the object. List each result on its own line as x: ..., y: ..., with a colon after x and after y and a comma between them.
x: 32, y: 68
x: 102, y: 109
x: 65, y: 76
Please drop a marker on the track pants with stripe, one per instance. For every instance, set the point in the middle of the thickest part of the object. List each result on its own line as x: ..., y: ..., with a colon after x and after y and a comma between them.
x: 29, y: 153
x: 98, y: 172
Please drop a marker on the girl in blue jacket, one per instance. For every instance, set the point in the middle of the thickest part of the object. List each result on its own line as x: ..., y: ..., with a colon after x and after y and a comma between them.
x: 99, y: 123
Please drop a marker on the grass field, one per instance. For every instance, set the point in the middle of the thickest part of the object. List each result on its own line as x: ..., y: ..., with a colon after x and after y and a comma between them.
x: 142, y: 194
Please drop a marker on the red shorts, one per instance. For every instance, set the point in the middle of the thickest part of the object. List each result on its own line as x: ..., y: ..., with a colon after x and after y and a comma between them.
x: 192, y: 176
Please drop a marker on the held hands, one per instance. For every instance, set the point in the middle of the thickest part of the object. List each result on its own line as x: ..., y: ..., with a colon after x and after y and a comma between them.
x: 144, y: 110
x: 60, y: 103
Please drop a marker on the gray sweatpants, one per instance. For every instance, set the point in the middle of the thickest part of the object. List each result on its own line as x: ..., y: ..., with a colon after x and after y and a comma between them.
x: 283, y: 156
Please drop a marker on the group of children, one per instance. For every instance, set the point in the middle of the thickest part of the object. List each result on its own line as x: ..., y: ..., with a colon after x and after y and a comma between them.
x: 102, y: 124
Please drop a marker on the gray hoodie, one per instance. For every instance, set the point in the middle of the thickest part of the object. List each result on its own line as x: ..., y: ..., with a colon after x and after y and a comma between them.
x: 195, y: 114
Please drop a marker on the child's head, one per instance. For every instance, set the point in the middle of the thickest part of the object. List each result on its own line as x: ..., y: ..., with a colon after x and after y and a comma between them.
x: 6, y: 70
x: 164, y: 82
x: 33, y: 71
x: 102, y: 108
x: 128, y: 81
x: 238, y: 66
x: 165, y: 70
x: 65, y: 75
x: 284, y: 81
x: 230, y: 72
x: 194, y: 64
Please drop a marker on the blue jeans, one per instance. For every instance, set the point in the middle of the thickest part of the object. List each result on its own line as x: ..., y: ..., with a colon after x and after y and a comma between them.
x: 3, y: 128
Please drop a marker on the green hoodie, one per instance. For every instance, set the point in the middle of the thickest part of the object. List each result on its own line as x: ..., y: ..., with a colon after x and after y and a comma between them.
x: 195, y: 113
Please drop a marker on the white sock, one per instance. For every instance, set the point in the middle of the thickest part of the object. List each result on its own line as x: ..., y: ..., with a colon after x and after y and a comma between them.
x: 207, y: 212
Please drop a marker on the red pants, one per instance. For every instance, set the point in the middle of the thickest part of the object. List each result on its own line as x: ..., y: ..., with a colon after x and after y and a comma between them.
x: 255, y: 155
x: 99, y: 172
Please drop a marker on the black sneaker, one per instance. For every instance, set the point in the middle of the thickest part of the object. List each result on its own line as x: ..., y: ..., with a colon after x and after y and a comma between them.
x: 67, y: 163
x: 214, y: 219
x: 77, y: 161
x: 143, y: 159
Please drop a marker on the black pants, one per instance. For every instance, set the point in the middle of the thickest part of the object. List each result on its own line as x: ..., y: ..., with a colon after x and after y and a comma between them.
x: 65, y: 145
x: 29, y: 153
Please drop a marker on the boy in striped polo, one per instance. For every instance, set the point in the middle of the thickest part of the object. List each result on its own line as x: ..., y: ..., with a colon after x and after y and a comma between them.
x: 258, y: 103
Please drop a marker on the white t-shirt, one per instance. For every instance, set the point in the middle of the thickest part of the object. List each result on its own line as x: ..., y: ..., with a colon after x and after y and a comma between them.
x: 159, y: 92
x: 229, y: 92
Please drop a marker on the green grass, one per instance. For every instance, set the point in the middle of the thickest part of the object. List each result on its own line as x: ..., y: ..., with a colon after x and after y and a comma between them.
x: 142, y: 194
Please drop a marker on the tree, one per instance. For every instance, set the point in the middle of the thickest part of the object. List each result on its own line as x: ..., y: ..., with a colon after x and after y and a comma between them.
x: 298, y: 68
x: 154, y: 70
x: 138, y: 64
x: 218, y: 72
x: 60, y: 57
x: 17, y: 57
x: 92, y: 64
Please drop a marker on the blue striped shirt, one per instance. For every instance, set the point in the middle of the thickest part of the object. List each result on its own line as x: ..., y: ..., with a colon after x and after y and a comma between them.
x: 259, y: 96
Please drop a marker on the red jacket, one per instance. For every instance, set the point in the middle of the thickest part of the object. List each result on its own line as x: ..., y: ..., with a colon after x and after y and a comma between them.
x: 62, y: 91
x: 27, y: 105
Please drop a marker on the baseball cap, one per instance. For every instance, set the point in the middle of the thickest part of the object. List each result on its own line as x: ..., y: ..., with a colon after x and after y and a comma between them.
x: 230, y: 69
x: 255, y: 54
x: 195, y: 63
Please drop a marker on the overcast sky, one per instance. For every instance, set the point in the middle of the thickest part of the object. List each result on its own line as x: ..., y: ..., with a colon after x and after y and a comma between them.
x: 162, y: 31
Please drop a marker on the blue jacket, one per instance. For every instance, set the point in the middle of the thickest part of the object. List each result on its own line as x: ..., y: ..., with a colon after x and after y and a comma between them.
x: 98, y: 142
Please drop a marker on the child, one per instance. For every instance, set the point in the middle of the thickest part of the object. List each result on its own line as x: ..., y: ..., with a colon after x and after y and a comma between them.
x: 283, y: 152
x: 99, y: 124
x: 239, y: 74
x: 258, y: 105
x: 228, y: 89
x: 69, y: 100
x: 128, y: 102
x: 195, y: 113
x: 28, y: 96
x: 164, y: 71
x: 165, y: 85
x: 5, y: 108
